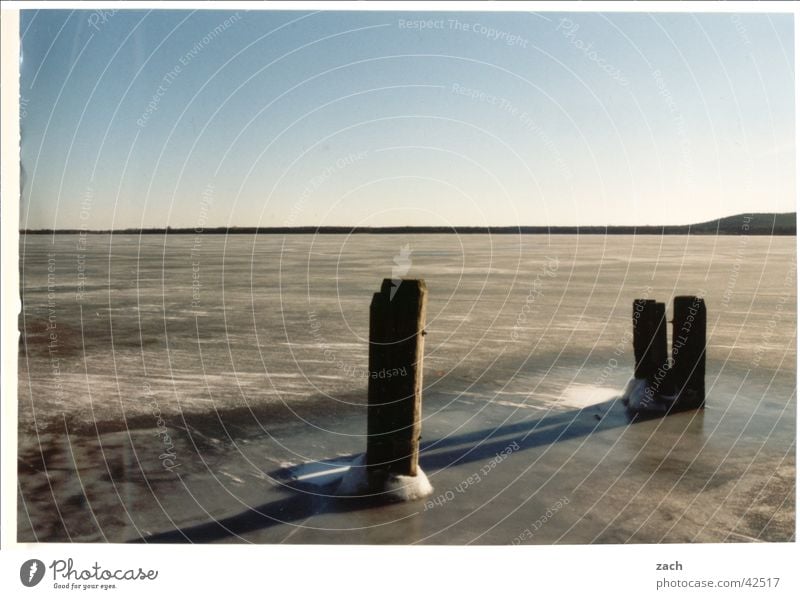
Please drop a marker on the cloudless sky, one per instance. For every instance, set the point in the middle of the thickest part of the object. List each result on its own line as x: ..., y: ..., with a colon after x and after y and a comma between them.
x: 212, y: 118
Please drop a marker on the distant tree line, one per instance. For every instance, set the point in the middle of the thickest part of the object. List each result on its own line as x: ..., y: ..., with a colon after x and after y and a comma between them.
x: 740, y: 224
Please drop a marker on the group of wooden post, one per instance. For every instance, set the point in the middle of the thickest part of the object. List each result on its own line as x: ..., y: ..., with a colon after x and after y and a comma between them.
x: 396, y: 338
x: 681, y: 375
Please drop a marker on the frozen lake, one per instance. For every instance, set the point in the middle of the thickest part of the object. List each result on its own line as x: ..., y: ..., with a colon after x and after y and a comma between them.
x: 251, y: 351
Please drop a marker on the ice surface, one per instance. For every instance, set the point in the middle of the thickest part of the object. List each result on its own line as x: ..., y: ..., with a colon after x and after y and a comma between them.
x: 264, y: 367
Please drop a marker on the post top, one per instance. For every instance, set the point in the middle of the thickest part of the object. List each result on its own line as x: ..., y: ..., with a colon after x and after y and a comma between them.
x: 391, y: 286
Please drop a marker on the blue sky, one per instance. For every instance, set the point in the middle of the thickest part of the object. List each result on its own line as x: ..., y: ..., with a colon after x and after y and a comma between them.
x: 213, y: 118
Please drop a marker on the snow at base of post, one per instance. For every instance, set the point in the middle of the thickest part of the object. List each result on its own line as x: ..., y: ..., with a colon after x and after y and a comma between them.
x: 636, y: 398
x: 396, y: 487
x: 633, y: 394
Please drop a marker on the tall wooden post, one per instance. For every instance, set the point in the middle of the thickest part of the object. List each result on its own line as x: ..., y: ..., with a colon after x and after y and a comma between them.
x: 649, y: 337
x: 396, y: 329
x: 689, y: 350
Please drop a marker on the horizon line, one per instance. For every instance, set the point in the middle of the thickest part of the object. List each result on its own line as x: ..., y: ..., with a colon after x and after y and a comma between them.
x: 721, y: 225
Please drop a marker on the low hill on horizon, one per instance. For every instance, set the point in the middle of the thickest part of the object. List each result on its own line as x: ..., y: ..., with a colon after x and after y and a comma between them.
x: 759, y: 221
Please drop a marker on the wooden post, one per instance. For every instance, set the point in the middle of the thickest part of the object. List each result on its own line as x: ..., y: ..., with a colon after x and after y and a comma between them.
x: 649, y: 337
x: 689, y: 350
x: 396, y: 329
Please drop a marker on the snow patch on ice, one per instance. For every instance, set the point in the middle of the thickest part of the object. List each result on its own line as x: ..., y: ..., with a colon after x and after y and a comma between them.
x: 234, y: 478
x: 514, y: 404
x: 583, y: 396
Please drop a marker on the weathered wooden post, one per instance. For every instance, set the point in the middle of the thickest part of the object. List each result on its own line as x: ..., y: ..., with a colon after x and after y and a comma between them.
x: 390, y: 467
x: 649, y: 337
x: 396, y: 330
x: 689, y: 351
